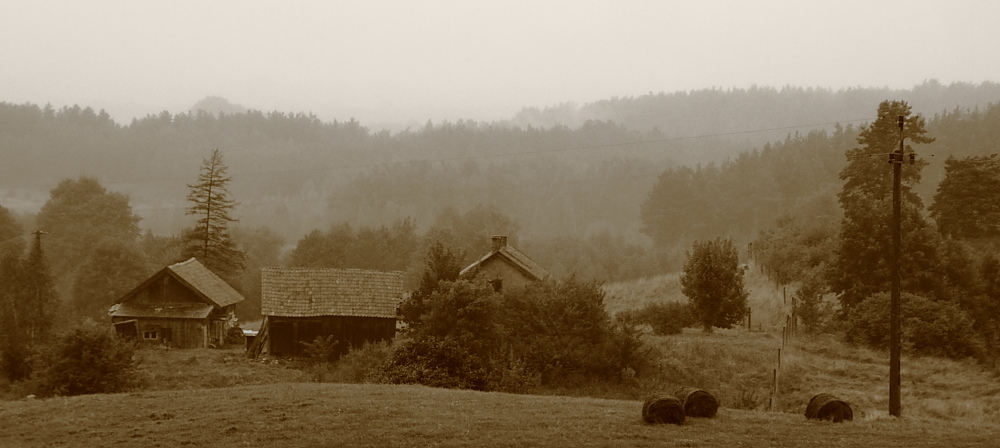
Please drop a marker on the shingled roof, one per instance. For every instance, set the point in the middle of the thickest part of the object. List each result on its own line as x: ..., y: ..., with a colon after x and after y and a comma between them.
x: 309, y: 292
x: 513, y: 257
x: 199, y: 279
x: 204, y: 282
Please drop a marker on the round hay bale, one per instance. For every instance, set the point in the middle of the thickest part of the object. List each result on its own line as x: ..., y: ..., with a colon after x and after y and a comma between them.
x: 697, y: 402
x: 663, y: 409
x: 828, y: 407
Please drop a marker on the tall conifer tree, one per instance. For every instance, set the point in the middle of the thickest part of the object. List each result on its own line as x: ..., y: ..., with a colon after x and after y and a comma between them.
x: 860, y: 267
x: 209, y: 241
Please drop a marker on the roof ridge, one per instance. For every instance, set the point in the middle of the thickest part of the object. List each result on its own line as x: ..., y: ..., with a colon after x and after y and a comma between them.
x: 182, y: 263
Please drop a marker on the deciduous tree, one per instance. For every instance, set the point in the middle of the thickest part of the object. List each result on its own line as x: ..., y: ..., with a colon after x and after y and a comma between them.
x: 713, y: 282
x: 113, y: 268
x: 443, y: 265
x: 967, y: 205
x: 79, y: 214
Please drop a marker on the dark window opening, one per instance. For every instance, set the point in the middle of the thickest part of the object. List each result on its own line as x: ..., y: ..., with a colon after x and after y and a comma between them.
x: 497, y: 285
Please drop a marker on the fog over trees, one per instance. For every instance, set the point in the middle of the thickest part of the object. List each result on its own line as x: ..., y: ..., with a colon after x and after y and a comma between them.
x: 610, y: 190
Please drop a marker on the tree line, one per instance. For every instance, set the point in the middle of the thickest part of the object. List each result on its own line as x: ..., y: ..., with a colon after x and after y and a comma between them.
x: 840, y: 263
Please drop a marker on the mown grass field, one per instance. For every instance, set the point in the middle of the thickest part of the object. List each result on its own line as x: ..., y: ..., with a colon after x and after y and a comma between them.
x: 311, y: 414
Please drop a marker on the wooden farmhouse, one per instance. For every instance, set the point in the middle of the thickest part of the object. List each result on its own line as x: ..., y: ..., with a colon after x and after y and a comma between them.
x: 184, y: 305
x: 505, y: 267
x: 353, y: 306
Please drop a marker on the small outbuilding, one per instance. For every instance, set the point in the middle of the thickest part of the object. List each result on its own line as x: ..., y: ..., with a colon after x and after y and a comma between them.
x: 184, y: 305
x: 505, y: 267
x: 353, y: 306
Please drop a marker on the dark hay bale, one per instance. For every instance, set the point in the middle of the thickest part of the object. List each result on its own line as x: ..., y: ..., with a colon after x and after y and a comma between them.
x: 828, y: 407
x: 697, y: 402
x: 663, y: 409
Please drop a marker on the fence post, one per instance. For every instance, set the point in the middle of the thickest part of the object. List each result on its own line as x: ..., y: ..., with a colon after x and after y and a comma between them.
x: 774, y: 392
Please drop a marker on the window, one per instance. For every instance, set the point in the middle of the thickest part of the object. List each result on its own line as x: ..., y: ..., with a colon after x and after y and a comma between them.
x: 151, y: 333
x: 497, y: 285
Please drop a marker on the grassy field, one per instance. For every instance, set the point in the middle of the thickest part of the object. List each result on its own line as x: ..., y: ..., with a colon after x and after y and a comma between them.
x: 310, y: 414
x: 218, y: 398
x: 766, y: 301
x: 738, y: 365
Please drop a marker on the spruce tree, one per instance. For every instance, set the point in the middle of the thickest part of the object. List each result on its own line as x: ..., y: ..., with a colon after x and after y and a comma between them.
x: 39, y: 295
x: 860, y: 267
x: 209, y: 241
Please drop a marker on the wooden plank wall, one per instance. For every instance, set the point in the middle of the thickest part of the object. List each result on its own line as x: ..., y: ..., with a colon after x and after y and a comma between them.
x: 286, y: 334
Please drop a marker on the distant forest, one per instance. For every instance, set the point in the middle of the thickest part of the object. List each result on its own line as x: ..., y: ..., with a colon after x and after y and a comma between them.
x: 734, y: 161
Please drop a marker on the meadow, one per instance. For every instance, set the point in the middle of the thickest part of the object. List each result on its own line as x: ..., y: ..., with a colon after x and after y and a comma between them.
x: 212, y: 397
x: 312, y: 414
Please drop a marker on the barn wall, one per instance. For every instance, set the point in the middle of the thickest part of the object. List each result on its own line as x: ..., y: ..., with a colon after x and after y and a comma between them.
x: 496, y: 268
x: 286, y: 334
x: 178, y: 333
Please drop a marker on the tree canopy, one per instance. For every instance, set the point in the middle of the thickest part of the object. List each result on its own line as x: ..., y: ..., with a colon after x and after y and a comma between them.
x: 79, y: 215
x: 860, y: 267
x: 112, y: 269
x: 713, y: 283
x: 967, y: 204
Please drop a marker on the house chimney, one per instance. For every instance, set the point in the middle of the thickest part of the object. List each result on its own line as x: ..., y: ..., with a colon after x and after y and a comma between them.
x: 499, y: 241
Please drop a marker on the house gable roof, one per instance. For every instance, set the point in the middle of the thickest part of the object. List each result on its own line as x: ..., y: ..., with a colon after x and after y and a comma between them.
x: 205, y: 283
x: 513, y: 257
x: 196, y: 277
x: 310, y: 292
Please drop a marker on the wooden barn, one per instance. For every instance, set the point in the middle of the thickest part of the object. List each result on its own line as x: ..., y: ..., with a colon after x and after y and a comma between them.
x: 184, y: 305
x: 505, y: 267
x: 353, y: 306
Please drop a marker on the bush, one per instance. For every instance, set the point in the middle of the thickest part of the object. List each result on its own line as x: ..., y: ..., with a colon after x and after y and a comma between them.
x: 86, y: 361
x: 234, y: 336
x: 927, y: 327
x: 562, y: 331
x: 437, y: 363
x: 322, y: 350
x: 363, y: 364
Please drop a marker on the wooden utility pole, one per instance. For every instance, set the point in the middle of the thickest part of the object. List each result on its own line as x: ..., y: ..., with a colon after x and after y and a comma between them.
x: 897, y: 164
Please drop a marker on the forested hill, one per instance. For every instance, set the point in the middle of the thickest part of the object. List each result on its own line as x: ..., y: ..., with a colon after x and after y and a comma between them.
x: 767, y: 111
x: 296, y: 173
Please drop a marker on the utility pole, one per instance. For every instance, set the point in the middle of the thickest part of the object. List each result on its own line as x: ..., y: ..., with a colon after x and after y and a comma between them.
x: 896, y: 159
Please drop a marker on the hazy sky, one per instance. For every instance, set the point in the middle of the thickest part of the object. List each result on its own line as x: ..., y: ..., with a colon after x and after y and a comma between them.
x: 399, y: 61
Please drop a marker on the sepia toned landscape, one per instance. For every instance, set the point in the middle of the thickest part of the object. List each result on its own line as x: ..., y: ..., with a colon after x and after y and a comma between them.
x: 389, y: 223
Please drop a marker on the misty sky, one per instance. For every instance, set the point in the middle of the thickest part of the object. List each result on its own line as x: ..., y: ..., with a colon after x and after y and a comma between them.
x: 401, y: 61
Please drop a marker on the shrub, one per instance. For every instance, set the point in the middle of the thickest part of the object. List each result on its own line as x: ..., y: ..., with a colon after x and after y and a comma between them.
x: 86, y: 361
x: 927, y: 327
x: 437, y: 363
x: 322, y: 350
x: 561, y: 330
x: 362, y: 364
x: 810, y: 306
x: 234, y: 336
x: 512, y: 374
